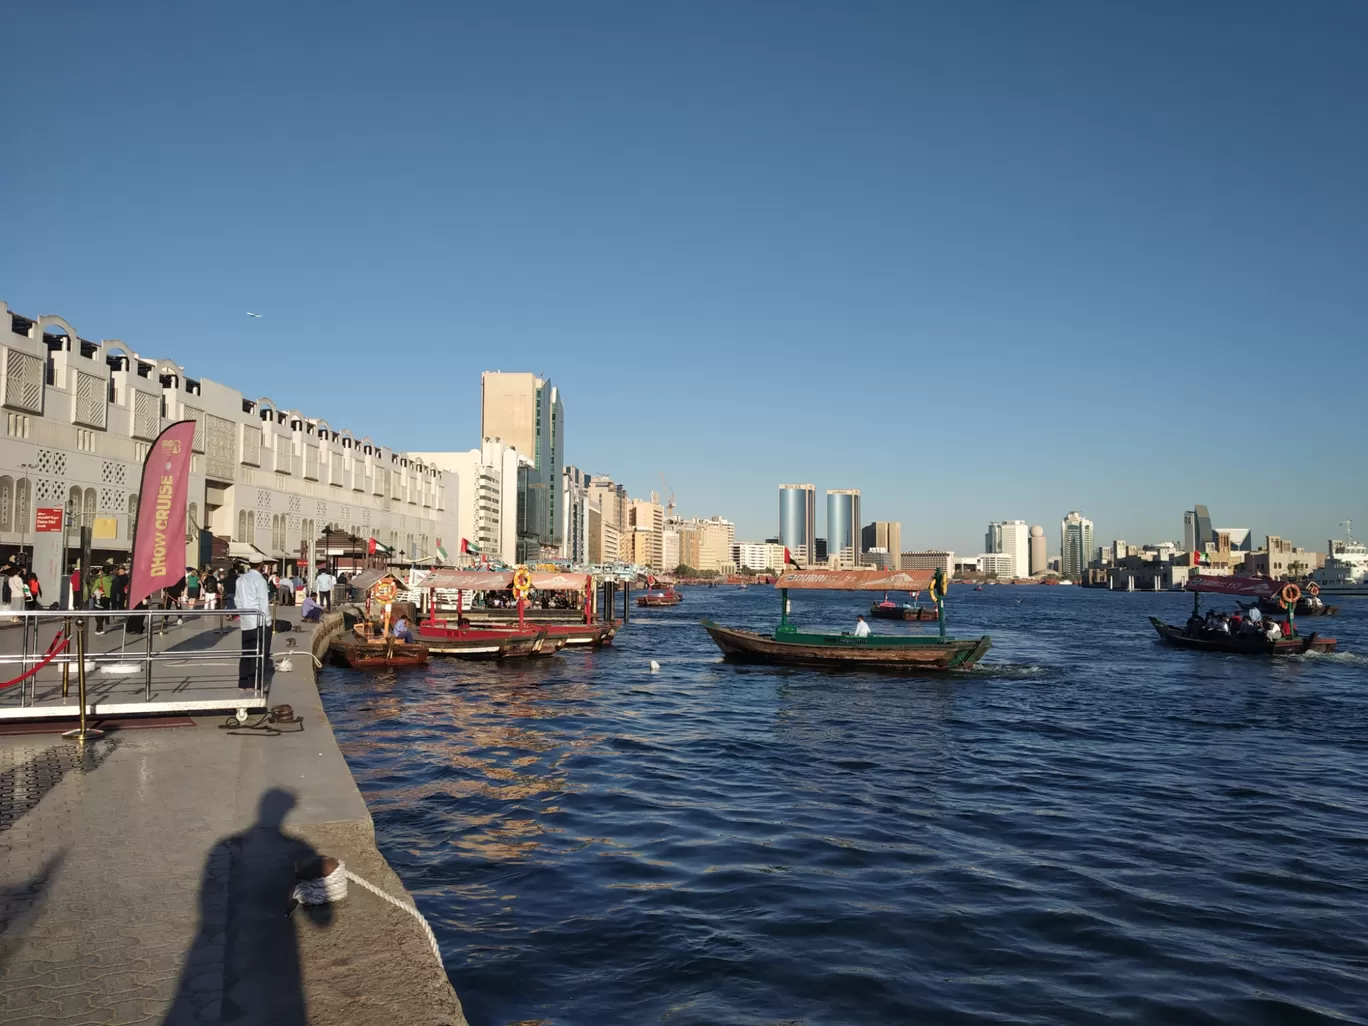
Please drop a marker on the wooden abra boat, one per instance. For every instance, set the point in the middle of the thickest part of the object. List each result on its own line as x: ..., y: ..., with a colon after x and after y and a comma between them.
x: 1241, y: 644
x: 375, y: 653
x: 788, y: 646
x: 887, y: 610
x: 666, y: 596
x: 1196, y: 635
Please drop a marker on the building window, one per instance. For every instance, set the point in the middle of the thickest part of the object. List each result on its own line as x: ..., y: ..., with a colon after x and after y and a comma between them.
x: 6, y: 503
x: 133, y: 516
x: 23, y: 516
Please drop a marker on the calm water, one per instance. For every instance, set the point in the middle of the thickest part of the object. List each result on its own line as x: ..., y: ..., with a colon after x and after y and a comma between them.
x: 1091, y: 829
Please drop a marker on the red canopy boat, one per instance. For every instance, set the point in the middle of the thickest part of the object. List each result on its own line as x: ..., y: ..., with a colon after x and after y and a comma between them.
x: 1196, y: 635
x: 487, y: 639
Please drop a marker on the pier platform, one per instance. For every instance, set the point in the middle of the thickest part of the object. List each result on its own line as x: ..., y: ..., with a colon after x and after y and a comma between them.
x: 145, y: 877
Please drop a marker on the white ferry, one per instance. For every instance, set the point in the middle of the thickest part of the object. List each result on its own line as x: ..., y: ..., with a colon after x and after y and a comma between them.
x: 1346, y: 567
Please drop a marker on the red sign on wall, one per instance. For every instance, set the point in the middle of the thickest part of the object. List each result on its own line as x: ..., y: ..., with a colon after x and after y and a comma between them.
x: 49, y: 518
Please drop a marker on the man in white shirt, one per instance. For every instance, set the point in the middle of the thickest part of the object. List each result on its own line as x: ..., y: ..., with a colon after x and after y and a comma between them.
x: 323, y: 584
x: 253, y: 594
x: 861, y: 628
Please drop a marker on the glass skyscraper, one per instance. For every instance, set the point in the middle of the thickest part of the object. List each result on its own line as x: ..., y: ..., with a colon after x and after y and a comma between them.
x: 843, y: 525
x: 798, y: 521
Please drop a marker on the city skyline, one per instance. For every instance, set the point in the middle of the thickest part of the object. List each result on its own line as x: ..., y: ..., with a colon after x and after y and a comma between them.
x: 939, y: 199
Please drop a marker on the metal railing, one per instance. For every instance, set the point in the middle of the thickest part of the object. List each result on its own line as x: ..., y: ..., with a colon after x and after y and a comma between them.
x: 67, y: 646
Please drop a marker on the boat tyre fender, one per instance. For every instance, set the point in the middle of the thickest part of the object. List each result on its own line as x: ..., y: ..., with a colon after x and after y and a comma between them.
x: 1290, y: 594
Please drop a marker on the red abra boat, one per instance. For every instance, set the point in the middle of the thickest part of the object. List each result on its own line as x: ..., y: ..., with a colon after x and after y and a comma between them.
x: 654, y: 596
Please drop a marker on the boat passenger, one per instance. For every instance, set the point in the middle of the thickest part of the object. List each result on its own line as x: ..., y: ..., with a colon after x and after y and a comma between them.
x: 1222, y: 624
x: 1255, y: 617
x: 1274, y: 632
x: 401, y: 629
x: 861, y: 628
x: 311, y: 611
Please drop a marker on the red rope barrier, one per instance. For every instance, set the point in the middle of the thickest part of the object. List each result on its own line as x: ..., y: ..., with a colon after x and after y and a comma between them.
x: 54, y: 650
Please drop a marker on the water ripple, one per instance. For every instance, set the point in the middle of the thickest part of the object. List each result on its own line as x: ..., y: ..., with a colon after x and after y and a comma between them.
x: 1089, y: 828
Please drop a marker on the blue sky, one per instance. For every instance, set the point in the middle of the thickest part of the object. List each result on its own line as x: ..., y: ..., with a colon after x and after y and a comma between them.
x: 982, y: 261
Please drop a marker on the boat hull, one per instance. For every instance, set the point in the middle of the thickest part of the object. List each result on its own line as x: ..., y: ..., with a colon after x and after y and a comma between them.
x: 362, y: 655
x: 575, y: 635
x: 480, y: 643
x: 879, y: 612
x: 1239, y: 644
x: 651, y: 601
x: 847, y: 652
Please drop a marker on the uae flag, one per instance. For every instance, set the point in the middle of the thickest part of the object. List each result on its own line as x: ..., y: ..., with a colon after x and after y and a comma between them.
x: 441, y: 553
x: 373, y: 547
x: 468, y: 546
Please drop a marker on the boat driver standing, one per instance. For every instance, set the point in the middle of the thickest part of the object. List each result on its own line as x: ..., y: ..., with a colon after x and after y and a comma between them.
x: 861, y: 628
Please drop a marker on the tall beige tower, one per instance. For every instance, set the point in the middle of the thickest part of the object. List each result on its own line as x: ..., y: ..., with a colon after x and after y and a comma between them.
x: 1040, y: 558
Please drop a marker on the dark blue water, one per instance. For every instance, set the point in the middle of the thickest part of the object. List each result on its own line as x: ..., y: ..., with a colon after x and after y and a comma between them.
x: 1090, y: 828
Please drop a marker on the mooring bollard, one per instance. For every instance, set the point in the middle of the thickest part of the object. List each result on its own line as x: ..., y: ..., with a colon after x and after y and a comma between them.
x: 84, y: 732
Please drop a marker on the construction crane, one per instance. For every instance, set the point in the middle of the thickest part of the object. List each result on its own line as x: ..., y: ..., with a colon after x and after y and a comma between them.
x: 666, y: 490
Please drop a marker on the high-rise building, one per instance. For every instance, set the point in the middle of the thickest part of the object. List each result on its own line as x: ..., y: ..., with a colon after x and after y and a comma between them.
x: 526, y: 412
x: 1016, y: 542
x: 1203, y: 527
x: 1040, y: 560
x: 610, y: 498
x: 883, y: 534
x: 760, y: 556
x: 992, y: 538
x: 798, y: 521
x: 670, y: 546
x: 1189, y: 531
x: 488, y: 497
x: 716, y: 537
x: 843, y: 521
x: 647, y: 517
x: 996, y: 564
x: 931, y: 559
x: 574, y: 544
x: 819, y: 550
x: 1076, y: 544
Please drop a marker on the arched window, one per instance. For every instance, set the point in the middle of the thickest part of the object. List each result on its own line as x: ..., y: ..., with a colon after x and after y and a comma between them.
x: 23, y: 505
x: 6, y: 503
x: 132, y: 516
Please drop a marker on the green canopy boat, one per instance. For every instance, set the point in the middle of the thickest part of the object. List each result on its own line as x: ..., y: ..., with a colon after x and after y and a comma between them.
x: 788, y: 646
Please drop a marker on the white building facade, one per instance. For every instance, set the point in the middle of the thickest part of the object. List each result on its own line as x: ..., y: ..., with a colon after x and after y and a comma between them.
x: 488, y: 497
x: 80, y: 417
x: 760, y: 556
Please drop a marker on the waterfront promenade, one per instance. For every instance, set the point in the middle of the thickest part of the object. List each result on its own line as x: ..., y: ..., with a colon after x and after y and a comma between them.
x: 146, y: 879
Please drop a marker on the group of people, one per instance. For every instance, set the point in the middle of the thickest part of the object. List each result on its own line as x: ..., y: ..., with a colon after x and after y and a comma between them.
x: 19, y: 589
x: 1251, y: 624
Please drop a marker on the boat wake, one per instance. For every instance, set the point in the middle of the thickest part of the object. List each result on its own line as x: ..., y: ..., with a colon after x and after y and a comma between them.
x: 1349, y: 658
x: 1009, y: 671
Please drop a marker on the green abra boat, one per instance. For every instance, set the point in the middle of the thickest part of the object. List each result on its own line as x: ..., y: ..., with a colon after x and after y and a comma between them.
x: 788, y: 646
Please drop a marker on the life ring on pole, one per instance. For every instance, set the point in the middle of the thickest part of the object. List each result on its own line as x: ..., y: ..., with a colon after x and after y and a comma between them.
x: 1290, y: 594
x: 940, y: 587
x: 1313, y: 589
x: 385, y: 591
x: 522, y: 582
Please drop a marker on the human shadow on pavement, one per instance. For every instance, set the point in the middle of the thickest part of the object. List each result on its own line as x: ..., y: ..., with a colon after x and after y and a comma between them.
x: 20, y: 905
x: 244, y: 963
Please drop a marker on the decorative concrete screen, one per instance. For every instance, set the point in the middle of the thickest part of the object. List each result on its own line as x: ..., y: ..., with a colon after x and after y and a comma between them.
x: 92, y: 409
x: 23, y: 381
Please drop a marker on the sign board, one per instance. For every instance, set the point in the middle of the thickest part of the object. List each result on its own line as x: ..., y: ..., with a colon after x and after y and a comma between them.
x: 106, y: 528
x: 49, y: 519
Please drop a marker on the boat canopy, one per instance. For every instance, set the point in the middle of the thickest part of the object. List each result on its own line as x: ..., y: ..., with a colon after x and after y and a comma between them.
x: 857, y: 580
x: 368, y: 579
x: 1259, y: 587
x: 501, y: 580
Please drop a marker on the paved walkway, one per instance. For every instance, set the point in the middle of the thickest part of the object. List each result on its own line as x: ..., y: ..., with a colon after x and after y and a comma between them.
x: 145, y: 878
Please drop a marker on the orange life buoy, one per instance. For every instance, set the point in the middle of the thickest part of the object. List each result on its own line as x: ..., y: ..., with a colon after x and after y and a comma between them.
x: 1290, y: 594
x: 385, y: 591
x: 522, y: 582
x: 1313, y: 589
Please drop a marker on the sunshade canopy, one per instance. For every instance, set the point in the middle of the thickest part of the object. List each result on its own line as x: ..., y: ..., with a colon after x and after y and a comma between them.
x: 858, y: 580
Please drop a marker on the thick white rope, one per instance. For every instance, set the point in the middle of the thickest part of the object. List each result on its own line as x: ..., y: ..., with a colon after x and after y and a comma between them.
x: 333, y: 887
x: 410, y: 909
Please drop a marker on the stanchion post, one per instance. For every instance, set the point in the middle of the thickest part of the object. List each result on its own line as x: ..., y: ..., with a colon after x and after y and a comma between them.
x: 66, y: 658
x: 84, y: 732
x: 147, y: 675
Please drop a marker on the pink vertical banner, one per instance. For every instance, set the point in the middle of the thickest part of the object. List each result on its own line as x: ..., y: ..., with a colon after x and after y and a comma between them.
x: 159, y: 547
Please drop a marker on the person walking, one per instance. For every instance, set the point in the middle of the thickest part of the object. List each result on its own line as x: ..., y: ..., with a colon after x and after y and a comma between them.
x: 252, y: 595
x: 192, y: 587
x: 323, y: 584
x: 101, y: 592
x: 861, y: 628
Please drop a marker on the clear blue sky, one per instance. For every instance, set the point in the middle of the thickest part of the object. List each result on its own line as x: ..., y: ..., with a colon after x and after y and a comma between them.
x: 987, y: 260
